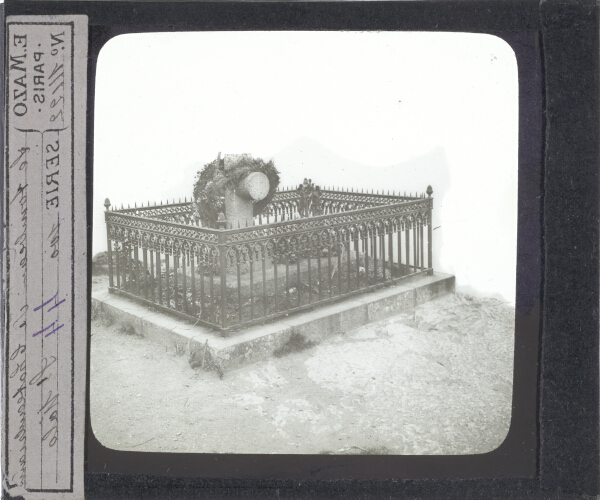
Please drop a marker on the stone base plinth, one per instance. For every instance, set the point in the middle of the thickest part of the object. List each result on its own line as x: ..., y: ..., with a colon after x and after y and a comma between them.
x: 259, y: 342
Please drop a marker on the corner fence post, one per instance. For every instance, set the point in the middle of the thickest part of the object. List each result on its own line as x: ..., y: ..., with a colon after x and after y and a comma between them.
x: 223, y: 276
x: 109, y: 244
x: 430, y: 232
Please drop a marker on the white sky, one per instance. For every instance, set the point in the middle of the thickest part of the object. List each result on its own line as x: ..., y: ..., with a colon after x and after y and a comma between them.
x: 167, y: 103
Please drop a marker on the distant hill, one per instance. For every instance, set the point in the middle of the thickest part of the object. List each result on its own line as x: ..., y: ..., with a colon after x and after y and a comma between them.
x: 309, y: 158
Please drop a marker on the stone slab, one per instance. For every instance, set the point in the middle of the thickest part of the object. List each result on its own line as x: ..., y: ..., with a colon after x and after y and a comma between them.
x: 258, y: 343
x: 239, y: 212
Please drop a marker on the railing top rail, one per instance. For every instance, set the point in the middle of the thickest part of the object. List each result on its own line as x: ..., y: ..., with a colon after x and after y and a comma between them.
x: 301, y: 225
x: 176, y: 225
x: 356, y: 192
x: 165, y: 206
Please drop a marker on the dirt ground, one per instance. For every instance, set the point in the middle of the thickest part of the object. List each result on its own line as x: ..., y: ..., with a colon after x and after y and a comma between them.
x: 441, y: 384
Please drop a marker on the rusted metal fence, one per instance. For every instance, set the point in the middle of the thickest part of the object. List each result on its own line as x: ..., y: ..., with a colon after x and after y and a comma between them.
x: 226, y: 278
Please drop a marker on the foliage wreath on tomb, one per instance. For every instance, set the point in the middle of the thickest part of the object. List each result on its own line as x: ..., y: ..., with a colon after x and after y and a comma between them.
x: 212, y: 181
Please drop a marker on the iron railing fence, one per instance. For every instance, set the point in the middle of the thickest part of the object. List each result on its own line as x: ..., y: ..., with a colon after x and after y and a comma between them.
x: 228, y: 278
x: 286, y: 205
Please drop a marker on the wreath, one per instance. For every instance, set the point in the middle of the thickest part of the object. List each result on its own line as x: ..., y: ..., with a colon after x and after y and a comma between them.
x: 212, y: 181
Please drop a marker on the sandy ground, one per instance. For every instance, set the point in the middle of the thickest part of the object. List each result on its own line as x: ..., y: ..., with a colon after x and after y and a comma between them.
x: 441, y: 384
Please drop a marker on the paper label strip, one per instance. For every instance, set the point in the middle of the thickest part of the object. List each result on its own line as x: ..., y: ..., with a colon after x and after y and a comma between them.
x: 45, y: 256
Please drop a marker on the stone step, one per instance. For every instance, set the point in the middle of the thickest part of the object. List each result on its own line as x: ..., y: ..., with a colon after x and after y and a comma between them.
x: 258, y: 343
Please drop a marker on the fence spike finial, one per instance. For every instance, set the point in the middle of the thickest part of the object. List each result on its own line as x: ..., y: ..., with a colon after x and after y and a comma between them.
x: 135, y: 205
x: 107, y: 204
x: 161, y: 202
x: 128, y: 206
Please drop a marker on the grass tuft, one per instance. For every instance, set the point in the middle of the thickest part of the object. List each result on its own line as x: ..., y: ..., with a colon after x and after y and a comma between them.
x: 296, y: 343
x: 129, y: 329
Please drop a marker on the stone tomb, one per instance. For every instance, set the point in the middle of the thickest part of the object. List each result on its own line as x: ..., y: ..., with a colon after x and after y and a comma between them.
x: 239, y: 201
